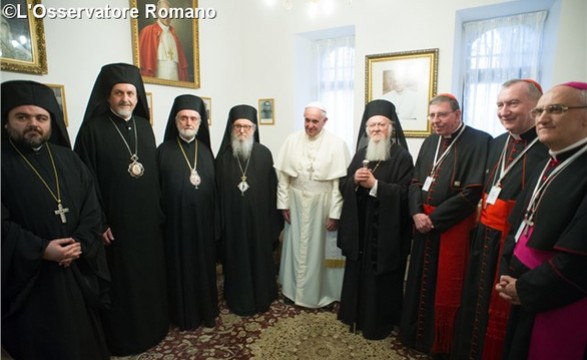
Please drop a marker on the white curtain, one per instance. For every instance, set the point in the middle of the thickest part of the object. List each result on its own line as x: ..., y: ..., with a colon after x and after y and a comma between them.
x: 498, y: 50
x: 336, y: 82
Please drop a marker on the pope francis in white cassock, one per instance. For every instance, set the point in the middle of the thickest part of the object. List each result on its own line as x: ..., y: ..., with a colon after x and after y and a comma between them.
x: 309, y: 166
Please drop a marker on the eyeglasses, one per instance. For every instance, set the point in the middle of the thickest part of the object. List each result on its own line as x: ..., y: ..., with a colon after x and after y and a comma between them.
x: 243, y: 127
x: 440, y: 115
x: 554, y: 109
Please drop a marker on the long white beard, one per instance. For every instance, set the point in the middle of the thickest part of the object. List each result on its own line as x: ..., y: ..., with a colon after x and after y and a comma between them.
x: 242, y: 149
x: 378, y: 151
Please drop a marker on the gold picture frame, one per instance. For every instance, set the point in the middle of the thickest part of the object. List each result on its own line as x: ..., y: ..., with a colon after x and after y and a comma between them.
x: 208, y: 102
x: 184, y: 50
x: 59, y: 91
x: 409, y: 80
x: 150, y: 105
x: 22, y: 38
x: 266, y: 111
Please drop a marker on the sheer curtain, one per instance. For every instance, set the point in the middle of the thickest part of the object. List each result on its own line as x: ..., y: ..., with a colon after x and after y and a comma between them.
x: 497, y: 50
x: 336, y: 81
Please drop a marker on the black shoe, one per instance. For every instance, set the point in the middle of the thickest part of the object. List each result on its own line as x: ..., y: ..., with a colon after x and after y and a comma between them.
x: 288, y: 301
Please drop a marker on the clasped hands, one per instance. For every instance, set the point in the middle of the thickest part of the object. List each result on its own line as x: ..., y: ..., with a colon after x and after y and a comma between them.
x: 63, y: 251
x: 506, y: 287
x: 364, y: 177
x: 422, y: 223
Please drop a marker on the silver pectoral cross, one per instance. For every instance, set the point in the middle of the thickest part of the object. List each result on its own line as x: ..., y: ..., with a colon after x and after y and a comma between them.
x: 61, y: 212
x: 528, y: 224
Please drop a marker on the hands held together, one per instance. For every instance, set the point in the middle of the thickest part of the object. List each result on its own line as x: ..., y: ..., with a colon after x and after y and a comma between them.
x: 63, y: 251
x: 364, y: 177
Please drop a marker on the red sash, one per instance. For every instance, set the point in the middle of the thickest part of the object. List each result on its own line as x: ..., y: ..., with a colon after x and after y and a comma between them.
x: 495, y: 216
x: 452, y: 262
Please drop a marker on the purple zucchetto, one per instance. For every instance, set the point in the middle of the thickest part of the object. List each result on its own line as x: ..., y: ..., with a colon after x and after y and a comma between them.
x: 576, y: 84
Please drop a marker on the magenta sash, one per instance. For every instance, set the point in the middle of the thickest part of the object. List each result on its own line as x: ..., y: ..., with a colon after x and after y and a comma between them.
x: 559, y: 333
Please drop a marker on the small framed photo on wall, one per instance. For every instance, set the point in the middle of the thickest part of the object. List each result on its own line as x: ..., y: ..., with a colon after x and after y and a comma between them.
x: 59, y: 91
x: 150, y: 104
x: 266, y: 111
x: 208, y: 103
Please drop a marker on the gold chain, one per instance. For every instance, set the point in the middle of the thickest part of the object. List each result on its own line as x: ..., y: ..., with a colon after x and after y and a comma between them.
x: 185, y: 155
x: 376, y: 166
x: 58, y: 197
x: 244, y: 172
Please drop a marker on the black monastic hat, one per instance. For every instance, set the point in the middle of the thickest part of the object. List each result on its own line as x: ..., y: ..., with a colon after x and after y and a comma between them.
x: 24, y: 92
x: 238, y: 112
x: 109, y: 76
x: 188, y: 102
x: 387, y: 109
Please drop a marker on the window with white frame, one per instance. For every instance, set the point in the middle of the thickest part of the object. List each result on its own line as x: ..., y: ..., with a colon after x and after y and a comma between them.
x: 335, y: 61
x: 497, y: 50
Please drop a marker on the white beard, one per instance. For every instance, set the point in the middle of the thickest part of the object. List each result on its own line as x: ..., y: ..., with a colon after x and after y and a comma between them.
x: 378, y: 151
x: 123, y: 112
x: 188, y: 134
x: 242, y: 149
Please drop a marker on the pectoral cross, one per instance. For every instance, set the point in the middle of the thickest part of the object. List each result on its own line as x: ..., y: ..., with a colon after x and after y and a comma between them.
x: 61, y: 212
x: 311, y: 171
x: 528, y: 224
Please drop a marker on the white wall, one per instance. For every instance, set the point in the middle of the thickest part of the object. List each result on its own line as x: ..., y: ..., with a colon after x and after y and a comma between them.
x: 247, y: 52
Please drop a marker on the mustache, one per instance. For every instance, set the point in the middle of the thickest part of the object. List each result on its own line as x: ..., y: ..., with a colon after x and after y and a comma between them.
x: 35, y: 129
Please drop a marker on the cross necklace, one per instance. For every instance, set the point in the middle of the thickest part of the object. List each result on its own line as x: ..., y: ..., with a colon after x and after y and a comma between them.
x: 135, y: 168
x: 243, y: 185
x: 60, y: 209
x: 195, y: 178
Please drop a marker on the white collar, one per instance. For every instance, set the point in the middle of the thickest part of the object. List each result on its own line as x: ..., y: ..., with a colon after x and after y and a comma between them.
x: 116, y: 114
x: 186, y: 140
x: 570, y: 147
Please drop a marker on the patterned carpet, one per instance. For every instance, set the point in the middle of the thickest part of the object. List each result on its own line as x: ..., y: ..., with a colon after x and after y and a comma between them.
x: 284, y: 332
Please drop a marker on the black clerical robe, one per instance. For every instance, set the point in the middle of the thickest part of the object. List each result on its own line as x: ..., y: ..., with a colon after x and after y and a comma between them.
x: 560, y: 281
x: 50, y: 311
x: 189, y: 233
x: 374, y: 236
x: 250, y: 224
x: 475, y: 313
x: 438, y: 258
x: 138, y: 318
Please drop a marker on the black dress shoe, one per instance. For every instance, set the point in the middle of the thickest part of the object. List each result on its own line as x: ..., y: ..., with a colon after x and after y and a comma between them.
x: 288, y: 301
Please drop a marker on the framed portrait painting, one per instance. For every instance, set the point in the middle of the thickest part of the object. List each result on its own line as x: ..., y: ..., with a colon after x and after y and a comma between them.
x: 407, y: 79
x: 266, y: 112
x: 166, y: 46
x: 59, y: 91
x: 22, y: 38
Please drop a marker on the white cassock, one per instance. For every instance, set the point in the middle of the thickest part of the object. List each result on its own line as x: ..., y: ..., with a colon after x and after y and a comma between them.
x: 167, y: 58
x: 312, y: 267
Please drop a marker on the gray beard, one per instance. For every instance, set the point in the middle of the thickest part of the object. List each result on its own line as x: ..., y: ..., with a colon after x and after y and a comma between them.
x: 188, y: 135
x: 378, y: 151
x: 242, y: 149
x: 125, y: 114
